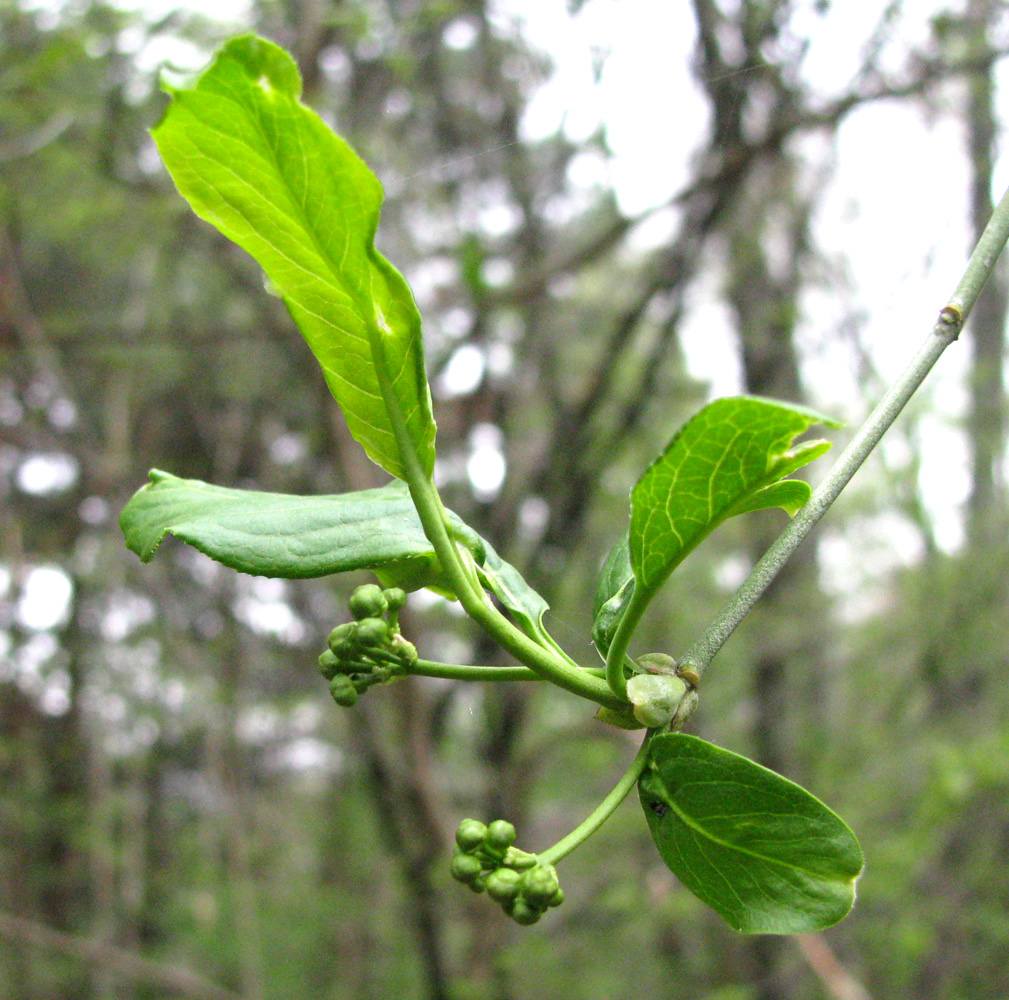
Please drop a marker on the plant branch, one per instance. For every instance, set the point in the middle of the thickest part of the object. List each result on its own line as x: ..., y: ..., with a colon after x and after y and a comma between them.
x: 839, y: 983
x: 603, y: 811
x: 461, y: 573
x: 946, y: 330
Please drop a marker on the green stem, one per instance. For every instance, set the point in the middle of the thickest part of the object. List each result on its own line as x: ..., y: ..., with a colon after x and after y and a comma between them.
x: 602, y: 812
x: 465, y: 672
x: 947, y: 328
x: 468, y: 672
x: 616, y: 654
x: 433, y: 518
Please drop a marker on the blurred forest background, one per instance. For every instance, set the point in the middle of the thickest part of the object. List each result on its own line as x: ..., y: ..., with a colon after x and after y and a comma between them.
x: 183, y: 810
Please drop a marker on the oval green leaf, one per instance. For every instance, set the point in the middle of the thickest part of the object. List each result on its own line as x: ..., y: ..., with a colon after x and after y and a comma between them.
x: 764, y: 853
x: 266, y: 171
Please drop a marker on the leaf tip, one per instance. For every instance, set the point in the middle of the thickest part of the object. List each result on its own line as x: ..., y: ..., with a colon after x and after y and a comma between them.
x: 266, y: 64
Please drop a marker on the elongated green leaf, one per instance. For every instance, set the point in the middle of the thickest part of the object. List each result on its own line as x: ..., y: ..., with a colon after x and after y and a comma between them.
x: 273, y: 534
x: 762, y: 852
x: 614, y: 590
x: 722, y: 462
x: 264, y: 169
x: 508, y: 585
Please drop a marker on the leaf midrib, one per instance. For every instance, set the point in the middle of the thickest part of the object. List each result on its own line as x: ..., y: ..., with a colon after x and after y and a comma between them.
x: 696, y: 828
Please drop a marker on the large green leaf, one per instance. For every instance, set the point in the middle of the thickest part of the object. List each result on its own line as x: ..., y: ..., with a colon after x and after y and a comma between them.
x: 273, y: 534
x: 293, y: 537
x: 728, y: 459
x: 725, y: 460
x: 264, y: 169
x: 762, y: 852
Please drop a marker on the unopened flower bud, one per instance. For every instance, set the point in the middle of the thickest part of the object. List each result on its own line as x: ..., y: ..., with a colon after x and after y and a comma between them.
x: 368, y: 601
x: 372, y: 632
x: 470, y: 835
x: 329, y: 664
x: 503, y: 884
x: 500, y: 835
x: 466, y: 867
x: 539, y: 885
x: 341, y: 687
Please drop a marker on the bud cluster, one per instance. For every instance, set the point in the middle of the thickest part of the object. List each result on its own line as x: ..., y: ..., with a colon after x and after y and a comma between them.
x: 485, y: 858
x: 368, y: 650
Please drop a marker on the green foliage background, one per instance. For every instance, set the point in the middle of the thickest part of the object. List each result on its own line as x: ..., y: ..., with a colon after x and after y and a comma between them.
x: 177, y: 792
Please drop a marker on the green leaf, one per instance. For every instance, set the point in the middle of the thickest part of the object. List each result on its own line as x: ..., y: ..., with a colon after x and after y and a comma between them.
x: 789, y: 495
x: 727, y: 460
x: 508, y: 585
x: 264, y: 169
x: 273, y: 534
x: 614, y: 590
x: 765, y: 854
x: 722, y: 462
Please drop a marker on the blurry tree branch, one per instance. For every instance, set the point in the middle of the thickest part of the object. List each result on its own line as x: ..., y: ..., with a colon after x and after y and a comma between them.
x: 117, y: 960
x: 32, y: 142
x: 839, y: 983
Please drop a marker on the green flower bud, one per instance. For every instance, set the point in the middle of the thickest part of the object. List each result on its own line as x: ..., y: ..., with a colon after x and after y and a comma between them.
x: 395, y: 598
x: 500, y: 836
x: 523, y: 913
x: 372, y: 632
x: 368, y: 602
x: 539, y: 885
x: 329, y: 664
x: 470, y: 835
x: 503, y: 884
x: 341, y: 687
x: 557, y: 898
x: 342, y: 634
x: 466, y: 867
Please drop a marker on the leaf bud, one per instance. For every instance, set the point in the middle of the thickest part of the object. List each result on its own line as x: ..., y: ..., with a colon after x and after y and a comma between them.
x: 656, y: 663
x: 503, y: 884
x: 686, y: 708
x: 466, y: 867
x: 368, y: 601
x: 341, y: 687
x: 655, y: 697
x: 500, y: 836
x: 470, y: 835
